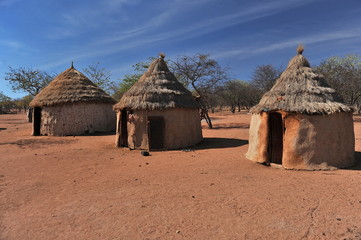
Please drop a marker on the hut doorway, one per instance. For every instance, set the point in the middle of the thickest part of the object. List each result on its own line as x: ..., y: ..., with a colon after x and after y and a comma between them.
x: 124, y: 128
x: 275, y: 144
x: 156, y: 133
x: 37, y: 121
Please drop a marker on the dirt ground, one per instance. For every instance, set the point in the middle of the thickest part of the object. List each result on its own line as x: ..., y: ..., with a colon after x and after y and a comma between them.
x: 84, y: 188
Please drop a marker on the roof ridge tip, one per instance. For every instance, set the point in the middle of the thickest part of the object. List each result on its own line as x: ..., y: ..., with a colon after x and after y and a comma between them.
x: 300, y: 49
x: 162, y: 55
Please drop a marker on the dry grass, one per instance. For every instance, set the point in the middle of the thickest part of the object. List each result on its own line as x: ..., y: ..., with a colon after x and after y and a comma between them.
x: 301, y: 90
x: 158, y: 88
x: 69, y: 87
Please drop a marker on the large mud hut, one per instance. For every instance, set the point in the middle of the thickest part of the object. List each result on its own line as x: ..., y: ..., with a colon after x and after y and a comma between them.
x: 157, y: 112
x: 72, y: 105
x: 300, y: 123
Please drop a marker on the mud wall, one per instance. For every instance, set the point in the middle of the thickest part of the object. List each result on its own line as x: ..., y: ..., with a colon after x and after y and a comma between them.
x: 318, y: 141
x: 258, y: 138
x: 77, y: 119
x: 137, y: 130
x: 309, y: 141
x: 182, y: 128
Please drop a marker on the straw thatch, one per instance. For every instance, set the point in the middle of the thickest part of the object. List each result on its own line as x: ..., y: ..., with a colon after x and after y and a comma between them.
x: 299, y: 89
x: 158, y: 88
x: 70, y: 86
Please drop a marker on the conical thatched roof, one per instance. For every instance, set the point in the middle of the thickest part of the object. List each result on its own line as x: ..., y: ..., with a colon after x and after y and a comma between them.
x: 299, y: 89
x: 70, y: 86
x: 158, y: 88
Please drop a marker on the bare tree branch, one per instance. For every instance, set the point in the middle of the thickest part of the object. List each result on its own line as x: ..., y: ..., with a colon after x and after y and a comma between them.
x: 27, y: 80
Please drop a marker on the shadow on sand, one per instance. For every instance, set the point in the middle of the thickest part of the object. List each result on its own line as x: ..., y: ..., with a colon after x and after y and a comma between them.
x: 231, y: 125
x: 357, y: 165
x: 228, y: 126
x: 209, y: 143
x: 99, y: 134
x: 39, y: 142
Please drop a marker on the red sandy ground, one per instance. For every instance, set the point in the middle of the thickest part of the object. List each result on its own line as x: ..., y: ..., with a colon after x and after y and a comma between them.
x: 84, y: 188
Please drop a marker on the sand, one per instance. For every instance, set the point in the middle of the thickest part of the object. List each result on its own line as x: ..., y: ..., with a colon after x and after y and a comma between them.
x: 83, y: 187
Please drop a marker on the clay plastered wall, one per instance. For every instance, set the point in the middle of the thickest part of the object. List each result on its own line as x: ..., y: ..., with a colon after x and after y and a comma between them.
x: 137, y: 130
x: 182, y: 128
x: 318, y: 141
x: 258, y: 138
x: 77, y: 119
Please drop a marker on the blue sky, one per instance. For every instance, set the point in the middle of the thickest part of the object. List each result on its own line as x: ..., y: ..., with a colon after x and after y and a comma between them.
x: 239, y: 34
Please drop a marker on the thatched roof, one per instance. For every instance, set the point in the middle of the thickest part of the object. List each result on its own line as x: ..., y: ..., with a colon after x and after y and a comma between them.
x: 158, y: 88
x: 301, y: 90
x: 70, y: 86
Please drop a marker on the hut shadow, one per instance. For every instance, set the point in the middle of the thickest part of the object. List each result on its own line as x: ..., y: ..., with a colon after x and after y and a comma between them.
x: 357, y: 165
x: 98, y: 134
x: 231, y: 126
x: 38, y: 143
x: 2, y: 129
x: 210, y: 143
x: 215, y: 118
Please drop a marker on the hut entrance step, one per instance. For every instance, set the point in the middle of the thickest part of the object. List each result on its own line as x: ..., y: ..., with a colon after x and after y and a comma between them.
x: 275, y: 145
x: 156, y: 133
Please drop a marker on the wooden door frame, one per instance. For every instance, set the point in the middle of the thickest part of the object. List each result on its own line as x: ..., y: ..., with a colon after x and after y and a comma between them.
x: 270, y: 150
x: 149, y: 118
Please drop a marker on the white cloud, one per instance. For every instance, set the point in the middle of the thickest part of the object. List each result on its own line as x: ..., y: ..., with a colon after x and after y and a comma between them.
x: 253, y: 50
x: 4, y: 3
x: 117, y: 3
x: 11, y: 44
x: 84, y: 17
x: 154, y: 30
x: 202, y: 27
x: 143, y: 29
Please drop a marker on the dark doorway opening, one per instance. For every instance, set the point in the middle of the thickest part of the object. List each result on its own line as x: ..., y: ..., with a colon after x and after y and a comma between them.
x: 37, y: 121
x: 124, y: 128
x: 156, y: 133
x: 275, y: 144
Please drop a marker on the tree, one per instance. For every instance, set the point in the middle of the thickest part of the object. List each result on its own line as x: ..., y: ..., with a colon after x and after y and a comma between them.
x: 238, y: 94
x: 23, y: 102
x: 252, y: 95
x: 216, y: 100
x: 232, y: 93
x: 201, y: 73
x: 126, y: 83
x: 6, y: 103
x: 100, y: 76
x: 128, y: 80
x: 264, y: 77
x: 344, y: 75
x: 27, y: 80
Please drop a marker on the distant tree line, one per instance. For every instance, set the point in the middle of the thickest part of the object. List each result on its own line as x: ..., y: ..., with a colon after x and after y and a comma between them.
x: 206, y: 78
x: 9, y: 105
x: 203, y: 76
x: 344, y: 75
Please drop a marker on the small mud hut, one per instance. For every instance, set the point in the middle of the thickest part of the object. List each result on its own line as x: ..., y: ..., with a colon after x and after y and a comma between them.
x: 300, y: 123
x: 157, y: 112
x: 72, y: 105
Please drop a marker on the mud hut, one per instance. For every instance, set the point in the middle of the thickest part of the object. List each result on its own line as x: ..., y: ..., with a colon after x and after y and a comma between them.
x: 157, y: 112
x: 72, y: 105
x: 300, y: 123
